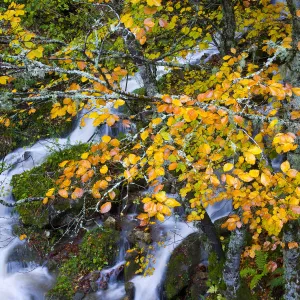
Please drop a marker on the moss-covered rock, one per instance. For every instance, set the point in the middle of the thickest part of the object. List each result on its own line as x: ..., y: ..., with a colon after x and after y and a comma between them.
x: 36, y: 182
x: 96, y: 251
x: 182, y: 265
x: 25, y: 130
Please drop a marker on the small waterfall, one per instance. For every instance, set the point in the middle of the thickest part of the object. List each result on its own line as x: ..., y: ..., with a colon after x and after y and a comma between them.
x: 27, y: 281
x: 173, y: 233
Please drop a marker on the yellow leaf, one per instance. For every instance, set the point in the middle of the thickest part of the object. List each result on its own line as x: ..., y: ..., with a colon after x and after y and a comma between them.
x: 254, y: 150
x: 50, y: 192
x: 160, y: 217
x: 45, y: 200
x: 265, y: 179
x: 285, y: 166
x: 104, y: 169
x: 106, y: 139
x: 106, y: 207
x: 85, y: 155
x: 118, y: 103
x: 254, y: 173
x: 161, y: 196
x: 250, y: 158
x: 176, y: 102
x: 144, y: 135
x: 62, y: 164
x: 245, y: 177
x: 214, y: 180
x: 227, y: 167
x: 296, y: 91
x: 22, y: 237
x: 292, y: 173
x: 3, y: 79
x: 172, y: 202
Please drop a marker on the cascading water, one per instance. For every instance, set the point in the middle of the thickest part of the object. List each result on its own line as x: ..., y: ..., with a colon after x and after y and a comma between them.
x: 29, y: 281
x: 173, y: 233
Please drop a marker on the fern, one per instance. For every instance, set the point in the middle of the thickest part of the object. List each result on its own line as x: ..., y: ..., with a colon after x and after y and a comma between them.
x: 261, y: 260
x: 277, y: 281
x: 254, y: 281
x: 247, y: 272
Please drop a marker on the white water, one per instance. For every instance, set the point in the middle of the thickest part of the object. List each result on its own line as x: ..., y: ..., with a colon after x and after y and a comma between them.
x: 147, y: 288
x: 31, y: 282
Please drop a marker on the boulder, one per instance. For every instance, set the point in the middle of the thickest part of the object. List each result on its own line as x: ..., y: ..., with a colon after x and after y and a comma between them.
x: 183, y: 264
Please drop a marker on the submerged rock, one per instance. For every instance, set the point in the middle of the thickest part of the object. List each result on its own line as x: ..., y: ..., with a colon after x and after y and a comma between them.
x: 183, y: 270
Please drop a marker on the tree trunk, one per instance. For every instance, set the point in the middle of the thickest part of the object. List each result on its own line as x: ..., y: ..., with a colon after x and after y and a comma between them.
x: 146, y: 71
x: 291, y: 257
x: 209, y: 229
x: 228, y: 28
x: 231, y: 273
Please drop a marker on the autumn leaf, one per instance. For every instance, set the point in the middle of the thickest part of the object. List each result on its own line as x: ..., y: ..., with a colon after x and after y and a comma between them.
x: 172, y: 203
x: 227, y: 167
x: 22, y: 237
x: 63, y: 193
x: 106, y: 207
x: 144, y: 135
x: 285, y: 166
x: 104, y: 169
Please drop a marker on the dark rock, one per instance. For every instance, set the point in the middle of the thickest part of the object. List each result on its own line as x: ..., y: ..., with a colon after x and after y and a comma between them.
x: 183, y: 264
x: 138, y: 235
x: 78, y: 296
x: 131, y: 266
x: 130, y: 290
x: 92, y: 296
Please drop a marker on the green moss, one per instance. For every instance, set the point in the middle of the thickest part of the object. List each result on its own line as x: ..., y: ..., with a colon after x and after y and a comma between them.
x: 37, y: 181
x: 96, y: 251
x: 25, y: 130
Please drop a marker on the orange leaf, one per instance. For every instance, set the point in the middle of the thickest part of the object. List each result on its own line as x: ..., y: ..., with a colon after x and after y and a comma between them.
x: 63, y: 193
x: 148, y: 22
x: 106, y: 207
x: 172, y: 166
x: 78, y: 193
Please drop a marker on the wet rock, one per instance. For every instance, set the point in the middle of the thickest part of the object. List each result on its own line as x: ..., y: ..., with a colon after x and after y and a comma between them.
x: 78, y: 296
x: 110, y: 222
x: 130, y: 291
x: 131, y: 266
x: 22, y: 255
x: 92, y: 296
x: 198, y: 285
x: 138, y: 235
x: 94, y: 286
x: 183, y: 264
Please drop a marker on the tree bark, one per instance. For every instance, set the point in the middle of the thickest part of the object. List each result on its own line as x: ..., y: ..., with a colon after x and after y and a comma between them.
x: 231, y: 273
x: 228, y: 28
x: 146, y: 71
x: 291, y: 257
x: 209, y: 229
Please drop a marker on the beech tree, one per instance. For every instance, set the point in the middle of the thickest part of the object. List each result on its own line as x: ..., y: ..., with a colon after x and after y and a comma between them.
x: 209, y: 130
